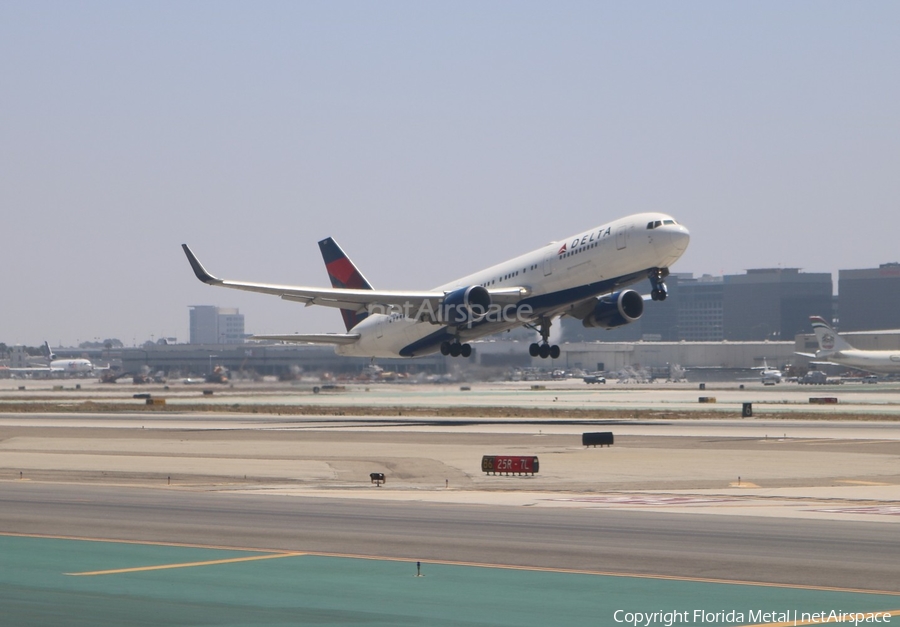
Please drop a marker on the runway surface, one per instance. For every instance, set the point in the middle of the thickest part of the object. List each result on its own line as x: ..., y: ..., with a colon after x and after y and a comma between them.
x: 804, y: 505
x: 801, y: 552
x: 678, y: 399
x: 63, y: 582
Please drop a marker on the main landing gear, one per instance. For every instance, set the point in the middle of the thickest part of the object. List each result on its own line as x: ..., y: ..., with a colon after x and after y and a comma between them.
x: 544, y: 349
x: 657, y: 280
x: 455, y: 349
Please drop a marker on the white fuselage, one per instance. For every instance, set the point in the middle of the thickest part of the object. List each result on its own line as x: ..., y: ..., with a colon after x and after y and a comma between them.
x: 559, y: 274
x: 884, y: 362
x: 71, y: 365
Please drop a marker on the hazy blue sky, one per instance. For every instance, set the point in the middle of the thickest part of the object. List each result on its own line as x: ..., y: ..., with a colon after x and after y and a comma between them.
x: 430, y: 139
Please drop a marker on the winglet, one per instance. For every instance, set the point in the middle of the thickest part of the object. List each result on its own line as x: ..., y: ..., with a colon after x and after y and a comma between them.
x: 199, y: 270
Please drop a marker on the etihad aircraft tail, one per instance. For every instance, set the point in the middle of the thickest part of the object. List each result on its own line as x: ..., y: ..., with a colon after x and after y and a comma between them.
x: 829, y: 341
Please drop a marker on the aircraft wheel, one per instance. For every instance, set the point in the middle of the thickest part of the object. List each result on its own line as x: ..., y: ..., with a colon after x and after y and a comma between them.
x: 465, y: 350
x: 445, y: 348
x: 554, y: 352
x: 534, y: 350
x: 455, y: 349
x: 661, y: 296
x: 545, y: 351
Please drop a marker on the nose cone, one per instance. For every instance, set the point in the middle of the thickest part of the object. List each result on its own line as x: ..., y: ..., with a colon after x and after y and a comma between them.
x: 679, y: 238
x: 671, y: 241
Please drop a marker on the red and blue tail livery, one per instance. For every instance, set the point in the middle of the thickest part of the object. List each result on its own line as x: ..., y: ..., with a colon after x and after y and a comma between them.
x: 344, y: 275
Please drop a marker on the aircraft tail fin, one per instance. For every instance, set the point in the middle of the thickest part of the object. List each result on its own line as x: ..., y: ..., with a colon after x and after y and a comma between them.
x: 344, y: 275
x: 829, y: 341
x: 49, y: 353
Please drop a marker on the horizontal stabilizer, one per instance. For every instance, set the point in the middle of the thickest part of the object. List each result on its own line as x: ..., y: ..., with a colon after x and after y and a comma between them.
x: 311, y: 338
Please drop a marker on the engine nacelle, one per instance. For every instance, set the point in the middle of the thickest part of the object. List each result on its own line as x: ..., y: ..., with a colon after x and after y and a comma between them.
x: 465, y: 304
x: 615, y: 310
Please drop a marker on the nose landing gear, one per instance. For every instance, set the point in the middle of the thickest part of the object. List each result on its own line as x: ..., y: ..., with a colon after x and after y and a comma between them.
x: 657, y: 280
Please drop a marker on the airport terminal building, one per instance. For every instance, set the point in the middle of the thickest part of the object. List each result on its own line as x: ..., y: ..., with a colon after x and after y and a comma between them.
x: 489, y: 357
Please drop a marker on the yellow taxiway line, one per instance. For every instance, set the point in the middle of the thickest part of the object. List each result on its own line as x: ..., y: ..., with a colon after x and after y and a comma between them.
x: 272, y: 553
x: 603, y: 573
x: 140, y: 569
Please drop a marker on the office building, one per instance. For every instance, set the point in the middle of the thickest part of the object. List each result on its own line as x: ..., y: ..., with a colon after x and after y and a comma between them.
x: 869, y: 299
x: 216, y: 325
x: 773, y: 303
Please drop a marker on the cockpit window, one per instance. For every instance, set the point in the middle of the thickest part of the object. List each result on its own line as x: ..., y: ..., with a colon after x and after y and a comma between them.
x: 669, y: 222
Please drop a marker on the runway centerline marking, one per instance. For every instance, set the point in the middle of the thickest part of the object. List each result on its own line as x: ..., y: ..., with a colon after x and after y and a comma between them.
x: 138, y: 569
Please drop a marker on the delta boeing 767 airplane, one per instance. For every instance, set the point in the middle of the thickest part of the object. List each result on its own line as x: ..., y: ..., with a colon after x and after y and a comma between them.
x: 583, y: 276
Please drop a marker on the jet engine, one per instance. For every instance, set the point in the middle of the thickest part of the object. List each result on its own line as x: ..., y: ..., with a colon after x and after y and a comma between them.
x: 465, y: 304
x: 615, y: 310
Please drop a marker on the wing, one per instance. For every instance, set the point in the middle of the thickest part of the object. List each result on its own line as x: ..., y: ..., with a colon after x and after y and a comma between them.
x: 411, y: 304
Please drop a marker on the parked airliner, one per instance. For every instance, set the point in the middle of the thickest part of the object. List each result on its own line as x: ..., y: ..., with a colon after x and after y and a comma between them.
x: 582, y: 276
x: 836, y: 350
x: 58, y: 366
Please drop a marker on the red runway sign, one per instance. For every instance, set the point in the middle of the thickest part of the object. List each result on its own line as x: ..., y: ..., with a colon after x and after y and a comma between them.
x: 509, y: 464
